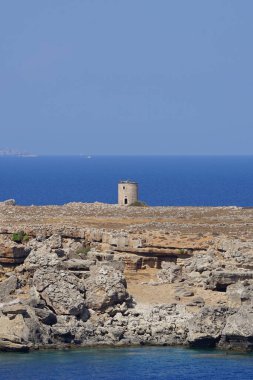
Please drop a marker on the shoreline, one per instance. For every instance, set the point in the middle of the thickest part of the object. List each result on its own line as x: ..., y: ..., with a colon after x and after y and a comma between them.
x: 215, y: 351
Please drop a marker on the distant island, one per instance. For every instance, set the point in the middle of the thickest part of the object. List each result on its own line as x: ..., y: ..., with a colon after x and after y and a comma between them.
x: 15, y: 153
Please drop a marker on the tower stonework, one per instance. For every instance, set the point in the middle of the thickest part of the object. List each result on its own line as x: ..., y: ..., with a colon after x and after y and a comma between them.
x: 127, y: 193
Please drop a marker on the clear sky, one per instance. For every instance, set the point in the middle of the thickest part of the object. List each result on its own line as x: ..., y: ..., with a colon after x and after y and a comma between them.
x: 126, y: 76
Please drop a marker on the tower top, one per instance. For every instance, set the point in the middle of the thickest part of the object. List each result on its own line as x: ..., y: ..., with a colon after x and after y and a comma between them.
x: 128, y: 181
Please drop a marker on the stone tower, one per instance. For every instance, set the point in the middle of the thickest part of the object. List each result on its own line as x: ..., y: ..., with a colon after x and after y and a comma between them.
x: 127, y: 193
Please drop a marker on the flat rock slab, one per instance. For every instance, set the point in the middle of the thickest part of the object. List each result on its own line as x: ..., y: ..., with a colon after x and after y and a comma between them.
x: 7, y: 287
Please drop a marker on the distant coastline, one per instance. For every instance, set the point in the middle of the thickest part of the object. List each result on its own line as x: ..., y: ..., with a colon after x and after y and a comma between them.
x: 9, y: 152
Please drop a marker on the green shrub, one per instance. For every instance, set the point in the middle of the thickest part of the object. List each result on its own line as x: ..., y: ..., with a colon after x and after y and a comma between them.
x: 182, y: 251
x: 83, y: 250
x: 25, y: 238
x: 20, y: 237
x: 138, y: 204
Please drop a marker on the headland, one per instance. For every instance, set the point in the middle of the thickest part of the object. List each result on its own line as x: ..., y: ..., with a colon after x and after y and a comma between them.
x: 98, y: 274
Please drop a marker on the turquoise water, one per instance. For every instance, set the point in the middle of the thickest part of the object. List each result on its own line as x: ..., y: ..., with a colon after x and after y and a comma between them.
x: 178, y: 181
x: 126, y: 363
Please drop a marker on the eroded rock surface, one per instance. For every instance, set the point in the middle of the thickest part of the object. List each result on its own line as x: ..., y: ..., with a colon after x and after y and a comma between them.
x: 94, y: 274
x: 105, y: 287
x: 238, y: 331
x: 7, y: 287
x: 62, y: 291
x: 14, y: 334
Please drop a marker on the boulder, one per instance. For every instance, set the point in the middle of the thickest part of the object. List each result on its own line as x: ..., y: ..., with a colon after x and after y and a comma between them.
x: 205, y: 328
x: 220, y: 280
x: 201, y: 263
x: 9, y: 202
x: 41, y: 257
x: 15, y: 309
x: 239, y: 294
x: 62, y: 291
x: 169, y: 273
x: 14, y: 334
x: 63, y: 332
x: 238, y: 331
x: 54, y: 242
x: 105, y: 287
x: 12, y: 253
x: 197, y: 301
x: 46, y: 316
x: 187, y: 293
x: 7, y: 287
x: 79, y: 264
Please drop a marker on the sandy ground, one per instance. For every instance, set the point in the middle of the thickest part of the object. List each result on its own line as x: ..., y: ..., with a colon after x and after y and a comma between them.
x: 165, y: 293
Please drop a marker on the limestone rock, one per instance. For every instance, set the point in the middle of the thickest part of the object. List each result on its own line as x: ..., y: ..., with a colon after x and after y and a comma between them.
x: 197, y: 301
x: 206, y: 327
x: 79, y: 264
x: 46, y: 316
x: 105, y: 287
x: 238, y: 331
x: 201, y: 263
x: 14, y: 334
x: 12, y: 253
x: 239, y: 294
x: 7, y: 287
x: 9, y: 202
x: 61, y: 290
x: 169, y: 273
x: 41, y: 257
x: 15, y: 309
x: 64, y: 330
x: 187, y: 293
x: 54, y: 242
x: 219, y: 280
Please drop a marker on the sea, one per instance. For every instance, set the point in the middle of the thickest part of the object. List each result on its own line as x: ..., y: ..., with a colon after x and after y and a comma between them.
x: 163, y: 181
x: 144, y: 363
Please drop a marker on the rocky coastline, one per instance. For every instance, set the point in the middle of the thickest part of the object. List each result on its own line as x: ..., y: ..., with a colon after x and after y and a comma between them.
x: 96, y: 274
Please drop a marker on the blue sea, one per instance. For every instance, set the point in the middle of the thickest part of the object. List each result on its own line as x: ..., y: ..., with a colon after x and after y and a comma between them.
x: 169, y: 180
x: 144, y: 363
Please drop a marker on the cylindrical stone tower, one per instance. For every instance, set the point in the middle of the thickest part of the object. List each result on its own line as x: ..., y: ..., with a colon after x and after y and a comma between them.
x: 127, y: 193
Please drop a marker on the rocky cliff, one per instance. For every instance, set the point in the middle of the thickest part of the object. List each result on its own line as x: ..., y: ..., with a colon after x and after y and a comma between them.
x: 95, y: 274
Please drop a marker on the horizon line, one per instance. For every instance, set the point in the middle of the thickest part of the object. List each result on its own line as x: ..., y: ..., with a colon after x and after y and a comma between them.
x: 36, y: 155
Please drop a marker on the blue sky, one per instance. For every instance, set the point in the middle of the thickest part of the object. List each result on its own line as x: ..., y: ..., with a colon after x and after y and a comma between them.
x: 127, y: 77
